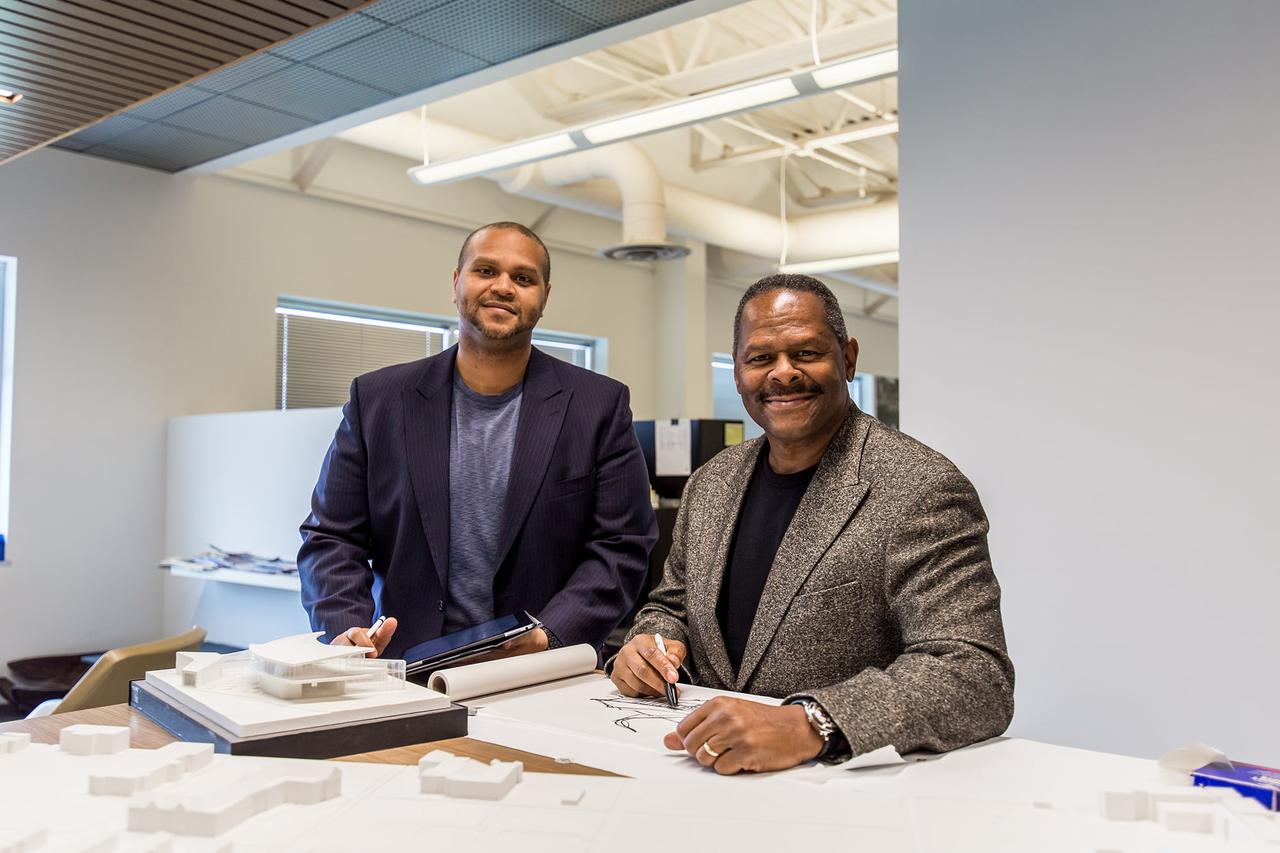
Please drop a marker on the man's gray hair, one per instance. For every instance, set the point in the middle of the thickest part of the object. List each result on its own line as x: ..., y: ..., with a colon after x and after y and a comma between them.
x: 804, y: 284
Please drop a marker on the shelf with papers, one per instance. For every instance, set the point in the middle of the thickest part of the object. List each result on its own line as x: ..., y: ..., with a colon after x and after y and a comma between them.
x: 237, y: 576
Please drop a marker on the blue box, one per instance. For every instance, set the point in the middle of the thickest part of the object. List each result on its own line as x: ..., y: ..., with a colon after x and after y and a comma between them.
x: 1251, y: 780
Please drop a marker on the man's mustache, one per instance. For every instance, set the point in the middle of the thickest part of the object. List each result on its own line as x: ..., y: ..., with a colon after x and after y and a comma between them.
x: 788, y: 390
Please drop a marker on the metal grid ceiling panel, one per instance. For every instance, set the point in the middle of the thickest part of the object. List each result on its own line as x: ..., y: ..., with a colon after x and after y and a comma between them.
x: 387, y: 48
x: 238, y: 121
x: 397, y: 61
x: 607, y: 13
x: 310, y: 92
x: 499, y: 30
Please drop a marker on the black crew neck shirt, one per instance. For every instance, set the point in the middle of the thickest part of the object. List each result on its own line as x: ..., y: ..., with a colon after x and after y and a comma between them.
x: 767, y: 508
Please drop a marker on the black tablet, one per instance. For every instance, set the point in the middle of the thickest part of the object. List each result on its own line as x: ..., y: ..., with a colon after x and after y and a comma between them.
x: 456, y: 647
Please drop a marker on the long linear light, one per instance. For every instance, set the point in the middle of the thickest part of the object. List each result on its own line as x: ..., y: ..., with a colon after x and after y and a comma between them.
x: 862, y: 69
x: 495, y: 158
x: 851, y: 262
x: 858, y: 70
x: 694, y: 110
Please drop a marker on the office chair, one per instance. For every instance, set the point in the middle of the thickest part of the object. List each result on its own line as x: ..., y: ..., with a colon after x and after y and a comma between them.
x: 107, y: 681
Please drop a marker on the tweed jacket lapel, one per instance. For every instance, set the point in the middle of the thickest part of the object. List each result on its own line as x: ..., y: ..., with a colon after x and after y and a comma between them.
x: 724, y: 498
x: 833, y: 496
x: 428, y: 407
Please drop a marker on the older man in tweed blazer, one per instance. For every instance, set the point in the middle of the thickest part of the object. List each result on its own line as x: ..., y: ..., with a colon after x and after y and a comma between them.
x: 878, y: 618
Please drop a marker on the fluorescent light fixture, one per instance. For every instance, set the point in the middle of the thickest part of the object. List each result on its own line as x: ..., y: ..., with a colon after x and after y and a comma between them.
x: 860, y: 70
x: 493, y: 159
x: 852, y: 262
x: 7, y: 97
x: 688, y: 112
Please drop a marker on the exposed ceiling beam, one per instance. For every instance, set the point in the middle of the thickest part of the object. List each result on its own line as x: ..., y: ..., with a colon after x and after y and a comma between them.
x: 855, y: 38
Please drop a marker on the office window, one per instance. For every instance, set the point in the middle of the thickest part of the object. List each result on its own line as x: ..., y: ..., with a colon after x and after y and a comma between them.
x: 875, y: 395
x: 8, y: 299
x: 322, y: 346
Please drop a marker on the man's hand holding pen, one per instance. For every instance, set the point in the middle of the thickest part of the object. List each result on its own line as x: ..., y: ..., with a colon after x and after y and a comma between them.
x: 374, y: 638
x: 643, y: 670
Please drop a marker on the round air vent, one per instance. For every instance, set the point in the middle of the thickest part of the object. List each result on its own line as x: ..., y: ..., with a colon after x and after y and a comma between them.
x: 645, y: 252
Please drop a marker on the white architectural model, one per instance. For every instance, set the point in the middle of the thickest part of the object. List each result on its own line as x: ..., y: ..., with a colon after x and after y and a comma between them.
x: 296, y: 667
x: 93, y: 740
x: 441, y: 772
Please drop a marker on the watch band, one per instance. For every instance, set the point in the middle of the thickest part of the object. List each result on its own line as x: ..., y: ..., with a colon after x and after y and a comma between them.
x: 819, y: 720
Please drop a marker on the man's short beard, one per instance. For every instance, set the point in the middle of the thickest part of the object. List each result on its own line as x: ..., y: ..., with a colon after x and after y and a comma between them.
x: 493, y: 334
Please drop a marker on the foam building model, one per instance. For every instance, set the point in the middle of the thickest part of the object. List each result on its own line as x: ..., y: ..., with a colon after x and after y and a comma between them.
x: 295, y: 667
x: 93, y: 740
x: 215, y: 803
x: 1219, y: 813
x: 14, y: 742
x: 441, y: 772
x: 139, y: 770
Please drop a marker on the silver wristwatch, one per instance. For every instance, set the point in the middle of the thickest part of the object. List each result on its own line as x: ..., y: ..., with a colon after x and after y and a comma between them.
x: 819, y: 720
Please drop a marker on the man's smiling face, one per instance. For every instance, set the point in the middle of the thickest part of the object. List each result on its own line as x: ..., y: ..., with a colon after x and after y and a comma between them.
x: 790, y: 369
x: 500, y: 289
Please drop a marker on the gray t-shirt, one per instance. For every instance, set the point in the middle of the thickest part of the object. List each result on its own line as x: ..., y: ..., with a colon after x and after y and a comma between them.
x: 481, y: 441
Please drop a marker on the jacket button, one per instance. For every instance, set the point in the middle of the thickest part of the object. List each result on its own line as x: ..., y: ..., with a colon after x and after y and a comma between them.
x: 440, y: 606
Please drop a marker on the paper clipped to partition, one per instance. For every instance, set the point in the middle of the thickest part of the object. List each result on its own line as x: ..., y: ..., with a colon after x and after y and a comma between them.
x: 496, y: 676
x: 673, y: 451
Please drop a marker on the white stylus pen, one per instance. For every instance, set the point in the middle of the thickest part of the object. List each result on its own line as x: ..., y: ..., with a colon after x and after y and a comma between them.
x: 377, y: 623
x: 671, y: 688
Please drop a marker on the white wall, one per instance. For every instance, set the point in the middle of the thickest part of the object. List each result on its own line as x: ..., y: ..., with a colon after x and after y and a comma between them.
x: 1089, y: 256
x: 142, y: 297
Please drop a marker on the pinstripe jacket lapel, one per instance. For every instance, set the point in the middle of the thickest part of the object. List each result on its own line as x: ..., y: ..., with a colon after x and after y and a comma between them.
x: 428, y: 407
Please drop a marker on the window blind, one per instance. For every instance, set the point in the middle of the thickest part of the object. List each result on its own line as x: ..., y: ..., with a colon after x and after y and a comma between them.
x: 579, y: 354
x: 317, y: 357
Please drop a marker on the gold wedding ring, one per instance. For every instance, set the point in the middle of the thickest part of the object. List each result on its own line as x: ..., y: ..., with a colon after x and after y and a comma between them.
x: 706, y: 747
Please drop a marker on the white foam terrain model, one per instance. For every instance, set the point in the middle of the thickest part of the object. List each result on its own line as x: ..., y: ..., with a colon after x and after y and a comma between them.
x: 441, y: 772
x: 1008, y: 795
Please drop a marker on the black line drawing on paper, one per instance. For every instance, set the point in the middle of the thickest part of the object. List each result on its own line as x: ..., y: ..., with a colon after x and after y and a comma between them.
x: 642, y: 708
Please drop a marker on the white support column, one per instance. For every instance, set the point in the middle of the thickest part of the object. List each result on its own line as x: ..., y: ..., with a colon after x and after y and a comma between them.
x: 681, y: 352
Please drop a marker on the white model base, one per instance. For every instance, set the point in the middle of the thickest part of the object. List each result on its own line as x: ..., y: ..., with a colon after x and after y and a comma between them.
x: 441, y: 772
x: 93, y: 740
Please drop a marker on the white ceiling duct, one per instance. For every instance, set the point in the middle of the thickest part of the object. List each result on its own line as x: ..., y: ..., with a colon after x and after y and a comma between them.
x: 633, y: 191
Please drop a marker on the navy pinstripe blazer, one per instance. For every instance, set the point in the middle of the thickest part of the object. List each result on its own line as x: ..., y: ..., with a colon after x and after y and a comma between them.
x: 577, y: 526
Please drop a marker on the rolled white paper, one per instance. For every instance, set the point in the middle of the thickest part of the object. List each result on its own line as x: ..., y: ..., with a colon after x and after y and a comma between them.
x: 497, y: 676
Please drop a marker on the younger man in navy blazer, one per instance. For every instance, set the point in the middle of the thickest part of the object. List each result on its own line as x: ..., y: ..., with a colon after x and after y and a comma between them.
x: 488, y: 479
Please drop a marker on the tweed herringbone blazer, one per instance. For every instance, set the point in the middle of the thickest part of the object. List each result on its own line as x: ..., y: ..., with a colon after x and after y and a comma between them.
x: 881, y: 603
